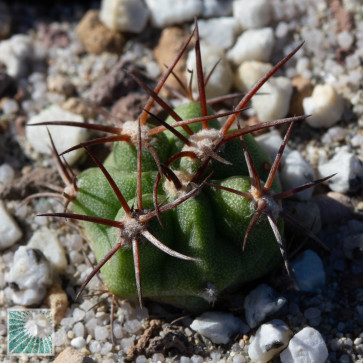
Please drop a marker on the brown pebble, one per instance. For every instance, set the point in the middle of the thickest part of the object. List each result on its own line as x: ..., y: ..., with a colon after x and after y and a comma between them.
x: 302, y: 87
x: 71, y: 355
x: 96, y: 37
x: 171, y: 41
x: 77, y: 106
x: 57, y: 300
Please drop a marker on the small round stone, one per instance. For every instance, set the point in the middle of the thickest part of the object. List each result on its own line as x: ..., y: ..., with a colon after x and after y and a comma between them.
x: 78, y: 342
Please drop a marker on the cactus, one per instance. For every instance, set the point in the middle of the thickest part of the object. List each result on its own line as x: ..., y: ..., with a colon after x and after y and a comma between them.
x: 219, y: 223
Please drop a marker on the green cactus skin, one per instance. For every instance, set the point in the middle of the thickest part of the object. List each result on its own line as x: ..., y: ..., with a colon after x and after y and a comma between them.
x: 211, y: 226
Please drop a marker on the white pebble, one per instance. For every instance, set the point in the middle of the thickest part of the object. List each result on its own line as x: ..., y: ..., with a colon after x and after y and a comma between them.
x: 16, y: 54
x: 158, y: 357
x: 106, y: 348
x: 78, y: 342
x: 124, y: 15
x: 101, y: 333
x: 270, y: 339
x: 253, y: 45
x: 10, y: 106
x: 217, y: 8
x: 295, y: 172
x: 270, y: 142
x: 274, y: 101
x: 127, y: 343
x: 91, y: 326
x: 60, y: 338
x: 47, y: 241
x: 94, y: 346
x: 132, y: 326
x: 325, y: 105
x: 217, y: 326
x: 196, y: 359
x: 64, y: 137
x: 306, y: 346
x: 249, y: 72
x: 117, y: 331
x: 78, y: 314
x: 78, y: 329
x: 348, y: 169
x: 67, y: 322
x: 239, y: 359
x: 10, y: 233
x: 141, y: 359
x: 32, y: 274
x: 219, y: 32
x: 252, y: 14
x: 335, y: 133
x: 163, y: 14
x: 6, y: 174
x: 281, y: 30
x: 261, y: 302
x: 220, y: 81
x: 309, y: 271
x: 345, y: 39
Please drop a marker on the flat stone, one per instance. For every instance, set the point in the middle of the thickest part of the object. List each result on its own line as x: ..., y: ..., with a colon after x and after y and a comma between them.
x: 124, y: 15
x: 47, y: 241
x: 64, y: 137
x: 270, y: 339
x: 10, y: 233
x: 306, y: 346
x: 97, y: 37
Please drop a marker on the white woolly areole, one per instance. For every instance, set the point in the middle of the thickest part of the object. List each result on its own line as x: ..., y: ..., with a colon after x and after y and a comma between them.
x: 184, y: 179
x: 132, y: 229
x: 272, y: 208
x: 201, y: 141
x: 131, y: 128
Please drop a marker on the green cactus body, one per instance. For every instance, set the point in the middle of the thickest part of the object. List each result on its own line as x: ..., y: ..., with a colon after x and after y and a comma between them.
x: 210, y: 226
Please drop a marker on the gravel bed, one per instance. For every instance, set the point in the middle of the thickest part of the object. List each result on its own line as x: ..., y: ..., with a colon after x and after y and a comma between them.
x: 55, y: 67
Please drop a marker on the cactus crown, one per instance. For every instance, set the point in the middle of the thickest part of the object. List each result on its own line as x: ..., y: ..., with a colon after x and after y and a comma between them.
x: 208, y: 193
